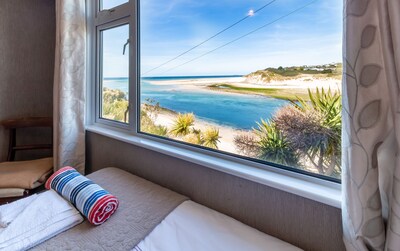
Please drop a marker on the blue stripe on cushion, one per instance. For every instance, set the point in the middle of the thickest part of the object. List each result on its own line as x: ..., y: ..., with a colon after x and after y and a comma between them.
x: 71, y: 185
x: 56, y: 179
x: 65, y: 180
x: 78, y: 189
x: 83, y: 196
x: 91, y: 200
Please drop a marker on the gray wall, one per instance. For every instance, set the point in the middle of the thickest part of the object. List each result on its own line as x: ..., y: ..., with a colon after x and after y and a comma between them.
x: 27, y: 41
x: 305, y: 223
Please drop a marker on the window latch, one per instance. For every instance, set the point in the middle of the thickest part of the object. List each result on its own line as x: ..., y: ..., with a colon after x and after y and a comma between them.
x: 126, y: 114
x: 127, y: 42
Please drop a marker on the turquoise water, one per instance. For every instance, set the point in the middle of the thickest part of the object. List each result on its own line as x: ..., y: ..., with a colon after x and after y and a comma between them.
x: 236, y: 110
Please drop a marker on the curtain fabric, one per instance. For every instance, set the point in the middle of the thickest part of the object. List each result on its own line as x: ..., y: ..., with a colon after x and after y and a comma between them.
x: 371, y: 119
x: 69, y: 85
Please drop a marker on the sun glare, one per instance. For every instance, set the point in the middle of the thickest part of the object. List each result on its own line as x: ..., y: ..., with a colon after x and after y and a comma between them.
x: 250, y: 13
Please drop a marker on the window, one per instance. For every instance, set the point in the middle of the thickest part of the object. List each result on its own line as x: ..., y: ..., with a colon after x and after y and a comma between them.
x: 109, y: 4
x: 114, y: 69
x: 255, y: 80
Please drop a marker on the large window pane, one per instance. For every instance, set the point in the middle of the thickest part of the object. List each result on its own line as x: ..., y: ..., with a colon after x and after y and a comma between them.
x: 255, y: 79
x: 115, y: 73
x: 109, y: 4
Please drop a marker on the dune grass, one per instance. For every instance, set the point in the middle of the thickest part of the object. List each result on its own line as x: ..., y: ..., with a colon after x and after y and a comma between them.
x: 286, y: 94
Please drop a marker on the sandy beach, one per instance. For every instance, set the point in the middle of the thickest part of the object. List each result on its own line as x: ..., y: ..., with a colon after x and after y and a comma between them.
x: 227, y: 134
x: 301, y: 83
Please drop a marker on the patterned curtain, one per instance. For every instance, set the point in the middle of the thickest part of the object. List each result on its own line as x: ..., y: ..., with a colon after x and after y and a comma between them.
x: 69, y: 84
x: 371, y: 118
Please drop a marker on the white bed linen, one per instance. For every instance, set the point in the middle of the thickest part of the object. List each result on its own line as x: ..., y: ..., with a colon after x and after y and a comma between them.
x: 46, y: 216
x: 194, y: 227
x: 9, y: 212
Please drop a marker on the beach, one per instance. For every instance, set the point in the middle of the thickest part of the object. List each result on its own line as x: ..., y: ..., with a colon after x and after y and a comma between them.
x: 301, y: 84
x: 228, y: 133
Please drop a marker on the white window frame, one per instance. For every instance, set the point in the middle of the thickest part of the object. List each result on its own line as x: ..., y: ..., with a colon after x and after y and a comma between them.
x: 306, y: 185
x: 99, y: 21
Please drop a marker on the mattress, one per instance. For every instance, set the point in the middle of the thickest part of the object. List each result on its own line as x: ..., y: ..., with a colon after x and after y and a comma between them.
x: 151, y: 218
x: 194, y: 227
x: 143, y: 205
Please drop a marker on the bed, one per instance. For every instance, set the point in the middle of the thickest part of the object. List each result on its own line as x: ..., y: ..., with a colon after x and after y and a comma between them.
x: 151, y: 217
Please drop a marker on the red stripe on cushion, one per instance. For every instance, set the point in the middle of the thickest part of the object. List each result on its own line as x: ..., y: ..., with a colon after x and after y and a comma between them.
x: 49, y: 180
x: 99, y: 208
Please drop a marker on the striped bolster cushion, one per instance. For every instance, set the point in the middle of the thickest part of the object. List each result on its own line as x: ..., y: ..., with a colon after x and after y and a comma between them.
x: 95, y: 203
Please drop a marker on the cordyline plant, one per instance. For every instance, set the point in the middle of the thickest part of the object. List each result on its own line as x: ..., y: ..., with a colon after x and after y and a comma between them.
x: 183, y: 127
x: 182, y: 124
x: 313, y: 128
x: 273, y: 146
x: 301, y: 134
x: 210, y: 138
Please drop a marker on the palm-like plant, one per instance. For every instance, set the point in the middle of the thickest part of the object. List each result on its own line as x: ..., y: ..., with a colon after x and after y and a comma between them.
x: 321, y: 133
x: 182, y: 124
x: 210, y: 138
x: 273, y: 145
x: 327, y: 103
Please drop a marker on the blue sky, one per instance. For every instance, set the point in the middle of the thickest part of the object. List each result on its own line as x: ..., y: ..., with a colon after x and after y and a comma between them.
x: 109, y: 4
x: 170, y: 27
x: 115, y: 63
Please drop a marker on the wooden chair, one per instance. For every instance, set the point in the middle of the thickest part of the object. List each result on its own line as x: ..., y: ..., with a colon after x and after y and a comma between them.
x: 14, y: 125
x: 31, y: 122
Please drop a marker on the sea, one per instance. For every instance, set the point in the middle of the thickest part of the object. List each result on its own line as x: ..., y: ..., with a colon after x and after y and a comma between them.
x: 240, y: 111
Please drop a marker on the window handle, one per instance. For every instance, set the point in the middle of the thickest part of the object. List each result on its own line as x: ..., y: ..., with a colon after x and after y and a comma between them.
x: 126, y: 114
x: 127, y: 42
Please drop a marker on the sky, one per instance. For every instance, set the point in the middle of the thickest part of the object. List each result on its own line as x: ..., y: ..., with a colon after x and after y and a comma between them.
x: 310, y: 36
x: 109, y: 4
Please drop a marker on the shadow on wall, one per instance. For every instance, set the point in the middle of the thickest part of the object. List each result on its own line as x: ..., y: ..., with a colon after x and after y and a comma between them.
x: 26, y: 137
x: 3, y: 145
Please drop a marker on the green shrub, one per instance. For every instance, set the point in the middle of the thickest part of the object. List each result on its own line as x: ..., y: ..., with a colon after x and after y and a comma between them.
x: 148, y: 125
x: 210, y: 138
x: 273, y: 145
x: 313, y: 128
x: 305, y: 134
x: 182, y: 124
x: 115, y: 105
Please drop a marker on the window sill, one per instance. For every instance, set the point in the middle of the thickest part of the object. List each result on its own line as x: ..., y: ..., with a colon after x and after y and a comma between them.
x: 311, y: 188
